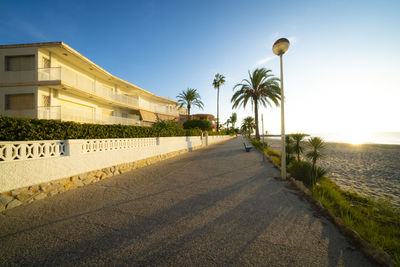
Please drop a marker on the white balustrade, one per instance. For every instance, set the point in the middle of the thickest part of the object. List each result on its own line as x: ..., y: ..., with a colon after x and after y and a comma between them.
x: 26, y: 150
x: 29, y: 163
x: 98, y: 145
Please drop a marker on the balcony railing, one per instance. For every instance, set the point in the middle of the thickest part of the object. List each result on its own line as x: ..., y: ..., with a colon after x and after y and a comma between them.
x: 76, y: 115
x: 86, y: 84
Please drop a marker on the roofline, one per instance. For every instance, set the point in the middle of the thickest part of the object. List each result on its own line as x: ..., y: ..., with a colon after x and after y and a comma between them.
x: 203, y: 114
x: 94, y: 65
x: 31, y: 45
x: 200, y: 114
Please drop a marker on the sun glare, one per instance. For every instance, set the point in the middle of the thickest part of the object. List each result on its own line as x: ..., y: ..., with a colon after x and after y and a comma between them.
x: 355, y: 137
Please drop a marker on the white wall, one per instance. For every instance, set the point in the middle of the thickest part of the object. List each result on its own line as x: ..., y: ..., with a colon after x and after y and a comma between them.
x: 42, y: 161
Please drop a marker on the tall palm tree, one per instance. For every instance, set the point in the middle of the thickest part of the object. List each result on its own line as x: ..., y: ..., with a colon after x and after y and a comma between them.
x: 298, y: 147
x: 317, y: 148
x: 218, y: 81
x: 188, y: 98
x: 233, y: 119
x: 228, y: 121
x: 261, y: 88
x: 247, y: 125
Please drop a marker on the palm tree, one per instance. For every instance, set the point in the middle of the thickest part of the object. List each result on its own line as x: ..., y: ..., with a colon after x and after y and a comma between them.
x: 317, y: 148
x: 247, y: 125
x: 189, y: 97
x: 261, y: 88
x: 228, y: 121
x: 218, y: 81
x: 298, y: 144
x: 233, y: 119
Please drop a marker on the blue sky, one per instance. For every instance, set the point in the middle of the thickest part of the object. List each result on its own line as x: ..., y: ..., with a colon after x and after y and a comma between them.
x: 342, y: 72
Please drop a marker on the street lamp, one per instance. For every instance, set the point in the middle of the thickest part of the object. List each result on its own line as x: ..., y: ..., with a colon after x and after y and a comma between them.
x: 279, y: 48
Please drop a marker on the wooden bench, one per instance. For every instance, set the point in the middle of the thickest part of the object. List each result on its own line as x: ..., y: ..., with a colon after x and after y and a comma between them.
x: 248, y: 148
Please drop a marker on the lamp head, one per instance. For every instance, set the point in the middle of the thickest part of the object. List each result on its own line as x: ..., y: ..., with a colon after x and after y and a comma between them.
x: 281, y: 46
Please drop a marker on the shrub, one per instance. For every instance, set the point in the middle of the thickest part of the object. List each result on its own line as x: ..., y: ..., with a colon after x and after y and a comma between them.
x: 193, y: 132
x: 169, y: 128
x: 221, y: 132
x: 289, y: 149
x: 304, y: 171
x: 204, y: 125
x: 301, y: 170
x: 232, y: 131
x: 273, y: 153
x: 22, y: 129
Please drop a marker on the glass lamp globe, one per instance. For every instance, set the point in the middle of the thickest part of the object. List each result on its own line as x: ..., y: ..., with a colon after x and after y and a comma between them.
x: 281, y: 46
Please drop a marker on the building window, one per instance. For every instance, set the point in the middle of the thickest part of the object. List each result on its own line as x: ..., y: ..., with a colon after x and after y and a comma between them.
x: 20, y: 101
x: 46, y: 63
x: 19, y: 63
x: 45, y: 101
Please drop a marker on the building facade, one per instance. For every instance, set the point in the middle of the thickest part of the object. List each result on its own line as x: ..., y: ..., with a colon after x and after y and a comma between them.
x: 53, y: 81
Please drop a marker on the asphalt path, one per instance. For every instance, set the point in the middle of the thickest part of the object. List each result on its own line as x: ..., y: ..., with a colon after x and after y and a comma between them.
x: 214, y: 206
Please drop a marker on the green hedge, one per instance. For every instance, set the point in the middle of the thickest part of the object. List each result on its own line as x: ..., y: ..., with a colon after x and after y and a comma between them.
x: 21, y: 129
x: 205, y: 125
x: 222, y: 132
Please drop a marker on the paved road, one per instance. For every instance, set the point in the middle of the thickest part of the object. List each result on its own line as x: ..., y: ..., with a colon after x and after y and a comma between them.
x: 216, y: 206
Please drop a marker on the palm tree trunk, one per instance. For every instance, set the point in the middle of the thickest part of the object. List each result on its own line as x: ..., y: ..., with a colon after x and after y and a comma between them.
x: 218, y: 109
x: 256, y: 119
x: 188, y: 109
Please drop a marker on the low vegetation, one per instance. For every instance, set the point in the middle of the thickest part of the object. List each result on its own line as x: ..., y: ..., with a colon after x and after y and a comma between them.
x: 22, y: 129
x: 273, y: 154
x: 377, y: 221
x: 204, y: 125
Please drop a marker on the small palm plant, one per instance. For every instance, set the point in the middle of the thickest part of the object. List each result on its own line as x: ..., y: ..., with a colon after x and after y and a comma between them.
x: 188, y: 98
x: 317, y: 148
x: 298, y: 141
x: 289, y: 148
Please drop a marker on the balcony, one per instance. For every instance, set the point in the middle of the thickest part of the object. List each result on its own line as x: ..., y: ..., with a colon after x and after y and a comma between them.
x: 69, y: 114
x: 74, y: 79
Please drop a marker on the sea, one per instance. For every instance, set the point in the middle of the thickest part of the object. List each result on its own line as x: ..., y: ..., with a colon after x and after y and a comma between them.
x: 387, y: 138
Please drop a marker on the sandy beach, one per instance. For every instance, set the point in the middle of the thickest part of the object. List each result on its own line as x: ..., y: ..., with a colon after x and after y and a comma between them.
x: 369, y: 169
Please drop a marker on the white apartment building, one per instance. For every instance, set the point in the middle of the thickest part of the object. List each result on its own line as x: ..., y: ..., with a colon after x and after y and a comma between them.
x: 53, y: 81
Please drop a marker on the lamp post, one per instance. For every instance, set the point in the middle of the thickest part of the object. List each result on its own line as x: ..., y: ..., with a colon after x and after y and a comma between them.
x: 279, y: 48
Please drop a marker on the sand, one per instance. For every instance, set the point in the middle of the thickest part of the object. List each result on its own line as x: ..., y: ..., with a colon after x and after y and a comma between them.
x: 368, y: 169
